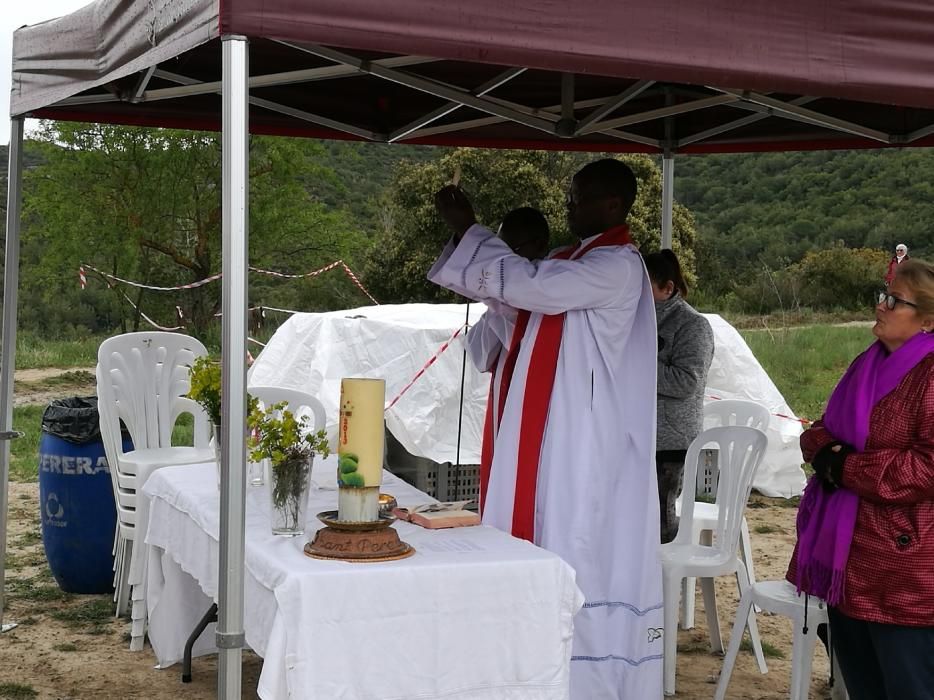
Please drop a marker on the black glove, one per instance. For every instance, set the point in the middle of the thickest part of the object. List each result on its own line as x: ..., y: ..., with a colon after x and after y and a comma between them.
x: 828, y: 463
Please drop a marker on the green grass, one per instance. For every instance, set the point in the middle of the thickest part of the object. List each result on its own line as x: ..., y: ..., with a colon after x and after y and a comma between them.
x: 24, y: 460
x: 694, y: 646
x: 77, y: 381
x: 34, y: 352
x: 66, y: 646
x: 183, y: 432
x: 807, y: 363
x: 17, y: 691
x: 28, y: 538
x: 786, y: 319
x: 91, y: 616
x: 766, y: 529
x: 768, y: 650
x: 38, y: 590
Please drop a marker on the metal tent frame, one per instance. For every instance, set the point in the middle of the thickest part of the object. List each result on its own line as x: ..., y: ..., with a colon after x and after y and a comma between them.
x: 356, y: 69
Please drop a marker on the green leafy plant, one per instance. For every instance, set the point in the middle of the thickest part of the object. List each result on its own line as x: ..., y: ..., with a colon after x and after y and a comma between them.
x: 283, y: 439
x: 206, y: 387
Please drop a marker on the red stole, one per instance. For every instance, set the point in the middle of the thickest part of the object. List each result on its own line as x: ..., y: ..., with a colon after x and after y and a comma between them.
x: 543, y: 365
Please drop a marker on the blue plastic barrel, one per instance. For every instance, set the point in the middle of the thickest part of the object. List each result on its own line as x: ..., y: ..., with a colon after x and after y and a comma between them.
x: 76, y: 498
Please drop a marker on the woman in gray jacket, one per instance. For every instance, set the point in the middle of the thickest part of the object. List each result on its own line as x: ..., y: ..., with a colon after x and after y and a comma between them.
x: 685, y: 351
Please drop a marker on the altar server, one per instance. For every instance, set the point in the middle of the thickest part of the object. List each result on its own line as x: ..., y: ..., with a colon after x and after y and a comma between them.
x: 573, y: 458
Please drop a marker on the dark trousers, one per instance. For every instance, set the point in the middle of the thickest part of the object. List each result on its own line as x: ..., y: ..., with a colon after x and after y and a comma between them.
x: 883, y: 662
x: 669, y: 466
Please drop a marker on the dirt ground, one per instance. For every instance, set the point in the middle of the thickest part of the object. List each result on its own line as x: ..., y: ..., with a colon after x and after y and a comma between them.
x: 39, y: 386
x: 70, y: 646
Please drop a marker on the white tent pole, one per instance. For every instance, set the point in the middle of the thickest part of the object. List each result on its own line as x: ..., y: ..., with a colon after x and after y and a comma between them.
x: 14, y: 200
x: 668, y: 197
x: 235, y: 203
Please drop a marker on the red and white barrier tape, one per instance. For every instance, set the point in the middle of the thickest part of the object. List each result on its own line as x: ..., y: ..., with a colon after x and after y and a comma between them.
x: 284, y: 275
x: 353, y: 278
x: 803, y: 421
x: 140, y: 285
x: 149, y: 320
x: 82, y: 278
x: 214, y: 278
x: 264, y: 309
x: 428, y: 364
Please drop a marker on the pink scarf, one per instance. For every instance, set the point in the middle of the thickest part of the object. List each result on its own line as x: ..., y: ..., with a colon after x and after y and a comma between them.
x: 827, y: 520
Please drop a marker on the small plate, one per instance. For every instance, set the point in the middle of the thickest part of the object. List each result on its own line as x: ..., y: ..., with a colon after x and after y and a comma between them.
x: 329, y: 518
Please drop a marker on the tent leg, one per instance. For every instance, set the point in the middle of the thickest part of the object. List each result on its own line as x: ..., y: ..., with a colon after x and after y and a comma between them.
x: 668, y: 197
x: 14, y: 203
x: 235, y: 203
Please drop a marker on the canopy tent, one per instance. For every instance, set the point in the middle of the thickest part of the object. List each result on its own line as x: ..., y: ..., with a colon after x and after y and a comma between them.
x: 646, y: 75
x: 643, y: 75
x: 313, y: 351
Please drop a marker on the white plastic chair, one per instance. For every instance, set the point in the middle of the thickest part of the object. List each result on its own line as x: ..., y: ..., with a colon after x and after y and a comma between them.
x: 142, y: 379
x: 781, y: 598
x: 718, y: 413
x: 298, y: 402
x: 741, y: 451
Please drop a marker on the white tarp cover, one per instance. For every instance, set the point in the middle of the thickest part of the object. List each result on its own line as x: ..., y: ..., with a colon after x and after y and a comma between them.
x: 736, y: 374
x: 102, y: 42
x: 312, y: 352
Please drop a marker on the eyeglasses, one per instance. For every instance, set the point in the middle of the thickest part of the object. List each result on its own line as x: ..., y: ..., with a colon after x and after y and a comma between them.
x: 890, y: 300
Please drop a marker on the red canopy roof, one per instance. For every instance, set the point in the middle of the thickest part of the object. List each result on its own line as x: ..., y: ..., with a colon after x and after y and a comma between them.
x: 599, y: 74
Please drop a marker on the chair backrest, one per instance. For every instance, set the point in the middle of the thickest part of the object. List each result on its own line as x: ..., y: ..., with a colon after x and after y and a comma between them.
x: 142, y: 380
x: 113, y: 446
x: 721, y: 413
x: 736, y: 412
x: 741, y: 450
x: 298, y: 402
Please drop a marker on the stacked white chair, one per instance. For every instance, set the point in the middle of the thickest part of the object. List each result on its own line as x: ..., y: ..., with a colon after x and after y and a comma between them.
x: 781, y: 598
x: 142, y: 380
x: 718, y: 413
x: 740, y: 453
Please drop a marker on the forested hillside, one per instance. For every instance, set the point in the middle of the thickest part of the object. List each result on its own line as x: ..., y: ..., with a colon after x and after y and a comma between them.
x: 766, y: 210
x: 757, y: 216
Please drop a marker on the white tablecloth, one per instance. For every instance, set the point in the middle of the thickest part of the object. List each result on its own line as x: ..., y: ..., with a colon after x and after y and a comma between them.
x: 473, y: 614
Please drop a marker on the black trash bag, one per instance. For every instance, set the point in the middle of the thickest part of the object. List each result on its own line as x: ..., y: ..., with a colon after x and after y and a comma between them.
x: 73, y: 419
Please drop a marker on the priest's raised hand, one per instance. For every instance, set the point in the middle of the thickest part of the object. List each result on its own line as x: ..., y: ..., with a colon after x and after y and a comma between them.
x: 455, y: 210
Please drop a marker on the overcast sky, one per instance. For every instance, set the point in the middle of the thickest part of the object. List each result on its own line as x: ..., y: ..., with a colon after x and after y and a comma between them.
x: 15, y: 14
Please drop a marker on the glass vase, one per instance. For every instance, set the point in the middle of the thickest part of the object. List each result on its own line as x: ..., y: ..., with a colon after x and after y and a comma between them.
x: 256, y: 473
x: 288, y: 495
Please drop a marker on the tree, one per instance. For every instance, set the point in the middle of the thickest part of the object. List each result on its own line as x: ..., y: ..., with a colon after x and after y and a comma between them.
x: 145, y: 204
x: 497, y: 181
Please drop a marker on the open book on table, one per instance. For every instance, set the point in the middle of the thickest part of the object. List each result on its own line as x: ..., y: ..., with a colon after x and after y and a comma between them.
x: 439, y: 515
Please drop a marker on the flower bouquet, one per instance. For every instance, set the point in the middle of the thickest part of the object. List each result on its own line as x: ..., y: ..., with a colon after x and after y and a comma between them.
x: 284, y: 440
x: 205, y: 390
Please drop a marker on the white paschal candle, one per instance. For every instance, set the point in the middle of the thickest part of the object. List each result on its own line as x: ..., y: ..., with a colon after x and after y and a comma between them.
x: 360, y: 449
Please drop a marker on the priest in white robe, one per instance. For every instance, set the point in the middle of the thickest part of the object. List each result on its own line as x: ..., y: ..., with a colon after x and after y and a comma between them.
x: 525, y: 230
x: 573, y: 457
